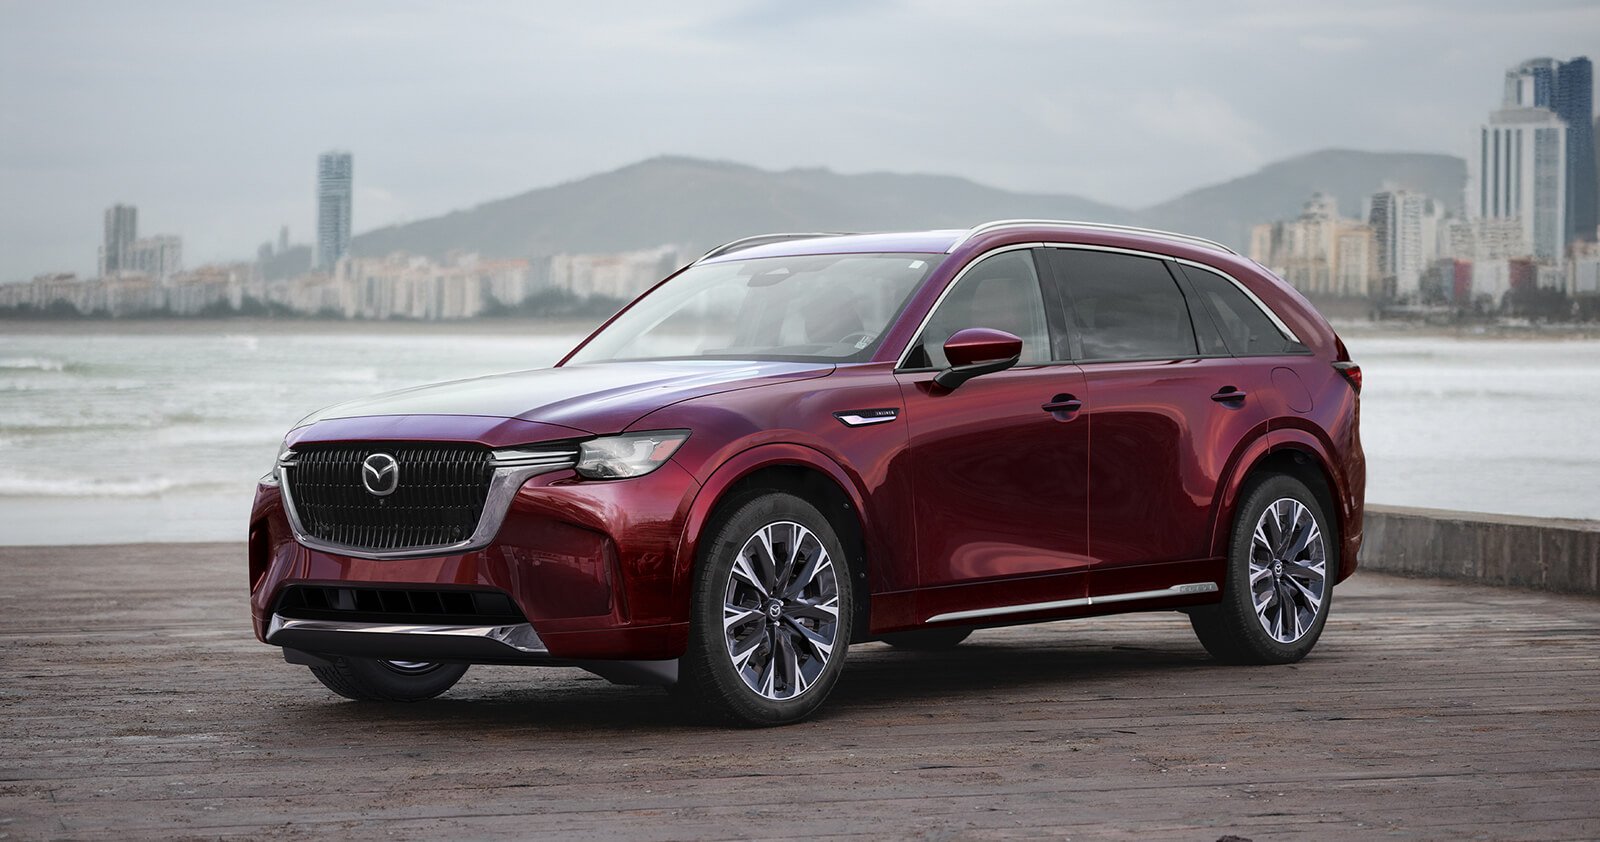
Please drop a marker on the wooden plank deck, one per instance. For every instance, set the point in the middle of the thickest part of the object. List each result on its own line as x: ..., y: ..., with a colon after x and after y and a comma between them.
x: 136, y: 704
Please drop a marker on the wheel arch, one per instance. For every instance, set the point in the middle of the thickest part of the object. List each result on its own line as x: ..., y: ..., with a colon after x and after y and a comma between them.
x: 796, y: 469
x: 1294, y: 453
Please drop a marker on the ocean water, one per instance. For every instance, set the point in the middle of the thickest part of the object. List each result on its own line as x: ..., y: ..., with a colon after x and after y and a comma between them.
x: 117, y: 434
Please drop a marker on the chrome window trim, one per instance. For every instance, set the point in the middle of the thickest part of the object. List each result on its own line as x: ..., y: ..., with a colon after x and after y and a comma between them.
x: 509, y: 475
x: 900, y: 363
x: 520, y: 637
x: 1080, y: 602
x: 1002, y: 224
x: 1254, y: 299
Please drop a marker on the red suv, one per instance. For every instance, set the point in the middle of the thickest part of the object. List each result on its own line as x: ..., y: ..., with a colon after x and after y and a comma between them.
x: 805, y: 441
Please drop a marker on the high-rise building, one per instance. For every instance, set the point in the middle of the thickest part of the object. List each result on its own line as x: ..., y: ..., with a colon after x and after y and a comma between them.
x: 122, y: 228
x: 1520, y: 172
x: 1567, y: 89
x: 1573, y: 101
x: 334, y: 180
x: 283, y: 239
x: 1405, y: 231
x: 160, y: 256
x: 1531, y: 84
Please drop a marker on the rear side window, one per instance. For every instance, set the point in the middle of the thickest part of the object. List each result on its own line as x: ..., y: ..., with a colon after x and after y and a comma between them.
x: 1124, y: 307
x: 1245, y: 329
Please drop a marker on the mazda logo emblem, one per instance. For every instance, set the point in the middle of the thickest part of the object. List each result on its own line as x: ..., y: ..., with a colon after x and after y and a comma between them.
x: 380, y: 474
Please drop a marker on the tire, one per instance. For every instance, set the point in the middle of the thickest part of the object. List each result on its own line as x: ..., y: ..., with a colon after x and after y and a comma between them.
x: 927, y: 640
x: 372, y: 680
x: 1285, y: 573
x: 767, y: 641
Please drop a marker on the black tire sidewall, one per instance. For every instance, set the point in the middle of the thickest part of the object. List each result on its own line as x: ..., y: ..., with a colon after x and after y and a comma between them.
x: 707, y: 662
x: 369, y: 679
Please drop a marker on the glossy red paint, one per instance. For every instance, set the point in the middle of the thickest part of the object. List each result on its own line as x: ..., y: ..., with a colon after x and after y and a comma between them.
x: 1050, y: 482
x: 980, y: 344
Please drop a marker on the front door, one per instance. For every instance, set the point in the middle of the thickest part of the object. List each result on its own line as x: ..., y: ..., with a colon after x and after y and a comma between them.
x: 1000, y: 464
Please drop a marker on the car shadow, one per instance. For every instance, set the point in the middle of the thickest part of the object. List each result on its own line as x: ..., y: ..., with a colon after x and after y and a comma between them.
x: 878, y: 681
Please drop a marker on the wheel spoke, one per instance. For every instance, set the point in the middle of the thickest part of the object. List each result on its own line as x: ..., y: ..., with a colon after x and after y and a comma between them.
x: 766, y: 560
x: 742, y: 570
x: 737, y: 615
x: 822, y: 646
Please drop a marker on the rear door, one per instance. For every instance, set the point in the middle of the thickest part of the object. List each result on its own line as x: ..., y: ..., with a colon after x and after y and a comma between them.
x: 1165, y: 418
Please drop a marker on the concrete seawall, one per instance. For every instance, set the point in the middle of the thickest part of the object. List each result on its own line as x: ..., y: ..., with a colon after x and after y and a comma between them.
x: 1545, y: 553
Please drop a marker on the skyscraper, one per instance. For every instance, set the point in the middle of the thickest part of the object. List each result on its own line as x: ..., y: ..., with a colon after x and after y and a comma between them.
x: 1520, y: 172
x: 1573, y: 101
x: 122, y: 228
x: 1405, y: 232
x: 1566, y: 88
x: 335, y: 172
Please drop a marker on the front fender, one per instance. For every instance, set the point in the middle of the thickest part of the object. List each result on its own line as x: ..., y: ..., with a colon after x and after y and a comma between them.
x: 741, y: 465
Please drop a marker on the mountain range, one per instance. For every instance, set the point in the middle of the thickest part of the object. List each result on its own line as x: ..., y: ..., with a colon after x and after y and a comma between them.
x: 700, y: 203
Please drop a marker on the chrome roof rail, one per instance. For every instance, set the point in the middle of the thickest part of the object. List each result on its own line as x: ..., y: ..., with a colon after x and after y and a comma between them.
x: 763, y: 239
x: 1001, y: 224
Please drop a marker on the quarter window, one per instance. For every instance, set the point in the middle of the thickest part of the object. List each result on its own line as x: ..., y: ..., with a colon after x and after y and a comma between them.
x: 1125, y: 307
x: 1245, y: 329
x: 1000, y: 292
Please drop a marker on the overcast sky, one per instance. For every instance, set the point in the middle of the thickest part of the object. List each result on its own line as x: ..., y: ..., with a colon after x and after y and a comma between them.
x: 209, y: 115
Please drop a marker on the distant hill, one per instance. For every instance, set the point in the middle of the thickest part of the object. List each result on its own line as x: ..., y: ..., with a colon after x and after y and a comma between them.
x: 700, y: 203
x: 1226, y: 211
x: 704, y: 203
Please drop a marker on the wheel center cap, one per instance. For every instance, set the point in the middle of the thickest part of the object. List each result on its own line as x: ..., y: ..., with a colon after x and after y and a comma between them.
x: 1277, y: 567
x: 775, y: 609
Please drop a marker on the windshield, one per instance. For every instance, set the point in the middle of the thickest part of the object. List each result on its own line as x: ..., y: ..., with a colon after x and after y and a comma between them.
x: 827, y: 307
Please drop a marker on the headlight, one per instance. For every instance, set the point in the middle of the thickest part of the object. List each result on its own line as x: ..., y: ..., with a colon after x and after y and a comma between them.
x: 285, y: 459
x: 628, y: 455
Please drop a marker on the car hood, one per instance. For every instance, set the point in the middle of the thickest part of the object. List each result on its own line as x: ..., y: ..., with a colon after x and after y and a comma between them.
x: 595, y: 398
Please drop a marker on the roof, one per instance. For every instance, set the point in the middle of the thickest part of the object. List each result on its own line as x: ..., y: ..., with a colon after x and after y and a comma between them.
x: 942, y: 241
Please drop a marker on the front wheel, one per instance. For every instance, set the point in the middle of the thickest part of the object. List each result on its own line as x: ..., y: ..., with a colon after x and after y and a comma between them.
x: 372, y: 680
x: 1277, y: 593
x: 772, y: 614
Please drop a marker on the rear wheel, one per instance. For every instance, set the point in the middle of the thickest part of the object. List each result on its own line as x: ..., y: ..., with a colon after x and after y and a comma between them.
x: 927, y: 640
x: 1277, y: 593
x: 372, y: 680
x: 772, y: 615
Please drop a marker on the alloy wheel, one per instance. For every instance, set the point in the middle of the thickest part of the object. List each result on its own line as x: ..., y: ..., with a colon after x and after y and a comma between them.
x: 780, y: 610
x: 1288, y: 569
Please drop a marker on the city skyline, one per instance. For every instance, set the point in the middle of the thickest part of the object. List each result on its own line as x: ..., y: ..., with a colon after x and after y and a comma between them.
x: 459, y: 106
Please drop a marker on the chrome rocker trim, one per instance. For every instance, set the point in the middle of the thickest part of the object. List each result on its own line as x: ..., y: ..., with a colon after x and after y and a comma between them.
x: 1081, y: 602
x: 510, y: 472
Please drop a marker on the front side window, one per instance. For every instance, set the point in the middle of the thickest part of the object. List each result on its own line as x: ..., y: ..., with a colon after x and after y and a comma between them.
x: 825, y: 308
x: 1124, y: 307
x: 1246, y: 331
x: 1000, y: 292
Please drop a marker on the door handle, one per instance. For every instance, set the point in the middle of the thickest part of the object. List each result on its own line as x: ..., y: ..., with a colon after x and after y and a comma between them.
x: 1062, y: 403
x: 1228, y: 394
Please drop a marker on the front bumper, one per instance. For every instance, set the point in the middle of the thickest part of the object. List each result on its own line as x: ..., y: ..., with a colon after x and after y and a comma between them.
x: 591, y: 565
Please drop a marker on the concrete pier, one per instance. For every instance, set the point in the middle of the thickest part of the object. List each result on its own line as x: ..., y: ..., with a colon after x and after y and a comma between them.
x: 1526, y: 552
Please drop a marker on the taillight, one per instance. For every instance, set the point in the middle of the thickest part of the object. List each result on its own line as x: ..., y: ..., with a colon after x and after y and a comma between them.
x: 1352, y: 373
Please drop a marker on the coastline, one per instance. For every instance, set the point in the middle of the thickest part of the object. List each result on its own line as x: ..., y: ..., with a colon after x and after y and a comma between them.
x: 509, y: 326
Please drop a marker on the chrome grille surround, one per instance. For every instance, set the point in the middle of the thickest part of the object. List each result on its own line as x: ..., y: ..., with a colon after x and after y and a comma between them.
x: 466, y: 491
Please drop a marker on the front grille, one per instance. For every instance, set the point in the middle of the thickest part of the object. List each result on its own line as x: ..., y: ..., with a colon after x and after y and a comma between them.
x: 399, y: 605
x: 437, y: 501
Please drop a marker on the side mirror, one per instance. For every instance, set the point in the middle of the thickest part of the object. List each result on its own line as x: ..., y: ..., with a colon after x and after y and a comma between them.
x: 975, y: 351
